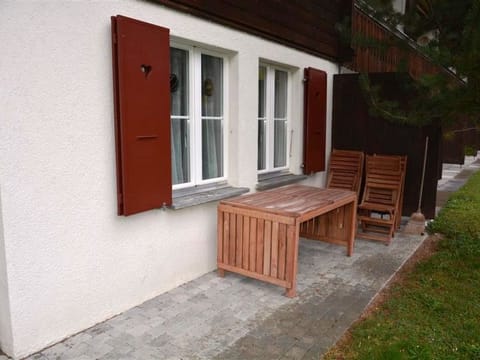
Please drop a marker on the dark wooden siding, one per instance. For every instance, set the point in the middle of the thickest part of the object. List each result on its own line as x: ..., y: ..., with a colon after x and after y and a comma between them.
x: 307, y: 25
x: 374, y: 60
x: 354, y: 128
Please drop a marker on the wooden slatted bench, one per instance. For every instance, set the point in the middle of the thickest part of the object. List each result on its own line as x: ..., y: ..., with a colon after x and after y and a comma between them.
x: 258, y: 234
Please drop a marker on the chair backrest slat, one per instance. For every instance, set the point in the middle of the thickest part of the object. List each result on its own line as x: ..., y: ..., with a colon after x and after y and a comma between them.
x: 345, y: 170
x: 384, y: 180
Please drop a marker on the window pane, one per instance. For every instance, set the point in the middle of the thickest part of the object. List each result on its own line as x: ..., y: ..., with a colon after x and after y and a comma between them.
x: 179, y: 81
x: 262, y: 78
x: 281, y: 79
x: 280, y: 144
x: 212, y: 149
x: 262, y: 146
x: 180, y: 151
x: 212, y: 86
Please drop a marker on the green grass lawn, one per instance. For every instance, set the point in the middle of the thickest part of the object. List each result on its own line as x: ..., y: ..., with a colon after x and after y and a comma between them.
x: 435, y: 312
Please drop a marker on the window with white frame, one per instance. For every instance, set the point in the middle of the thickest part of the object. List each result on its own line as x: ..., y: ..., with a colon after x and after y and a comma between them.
x: 272, y: 118
x: 197, y: 85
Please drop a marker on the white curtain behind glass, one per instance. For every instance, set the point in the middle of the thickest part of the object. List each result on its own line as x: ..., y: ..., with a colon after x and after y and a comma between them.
x: 280, y: 119
x: 262, y: 144
x: 212, y: 117
x: 180, y: 135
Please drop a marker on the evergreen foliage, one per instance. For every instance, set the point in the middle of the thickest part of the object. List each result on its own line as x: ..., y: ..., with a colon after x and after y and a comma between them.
x: 454, y: 31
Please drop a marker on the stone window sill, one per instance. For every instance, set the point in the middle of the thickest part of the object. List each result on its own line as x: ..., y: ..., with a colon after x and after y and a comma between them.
x: 276, y: 179
x: 183, y: 198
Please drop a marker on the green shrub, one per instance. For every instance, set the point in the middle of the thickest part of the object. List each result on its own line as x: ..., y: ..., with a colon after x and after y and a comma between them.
x: 470, y: 151
x: 461, y: 214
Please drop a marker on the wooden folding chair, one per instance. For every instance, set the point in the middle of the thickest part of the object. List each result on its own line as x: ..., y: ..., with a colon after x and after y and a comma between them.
x: 381, y: 205
x: 345, y: 170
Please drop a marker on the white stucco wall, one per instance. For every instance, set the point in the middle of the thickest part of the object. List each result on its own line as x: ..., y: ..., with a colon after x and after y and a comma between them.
x: 71, y: 262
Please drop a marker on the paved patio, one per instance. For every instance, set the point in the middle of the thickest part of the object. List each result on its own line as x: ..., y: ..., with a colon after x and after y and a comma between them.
x: 204, y: 319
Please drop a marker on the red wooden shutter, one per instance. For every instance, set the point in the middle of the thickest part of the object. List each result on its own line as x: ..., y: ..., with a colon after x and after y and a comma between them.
x: 315, y: 118
x: 141, y: 67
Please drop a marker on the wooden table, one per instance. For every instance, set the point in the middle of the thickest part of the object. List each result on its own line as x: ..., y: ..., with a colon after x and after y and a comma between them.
x: 258, y: 234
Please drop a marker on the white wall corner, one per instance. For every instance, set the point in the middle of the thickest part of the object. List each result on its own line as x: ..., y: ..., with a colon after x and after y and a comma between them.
x: 6, y: 339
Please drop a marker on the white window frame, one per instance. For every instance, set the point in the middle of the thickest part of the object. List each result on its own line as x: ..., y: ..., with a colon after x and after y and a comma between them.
x: 195, y: 114
x: 270, y: 120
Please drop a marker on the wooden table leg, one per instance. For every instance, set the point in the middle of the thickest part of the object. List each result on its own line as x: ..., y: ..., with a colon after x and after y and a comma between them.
x: 291, y: 293
x: 220, y: 235
x: 353, y: 226
x: 293, y: 235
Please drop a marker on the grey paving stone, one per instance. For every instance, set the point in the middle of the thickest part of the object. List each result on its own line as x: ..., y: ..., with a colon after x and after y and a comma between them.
x: 34, y: 357
x: 114, y: 355
x: 120, y: 349
x: 54, y: 352
x: 97, y: 351
x: 294, y: 353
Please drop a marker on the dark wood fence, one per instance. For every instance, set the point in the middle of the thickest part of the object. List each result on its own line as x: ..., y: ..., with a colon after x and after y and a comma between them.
x: 457, y: 138
x: 355, y: 129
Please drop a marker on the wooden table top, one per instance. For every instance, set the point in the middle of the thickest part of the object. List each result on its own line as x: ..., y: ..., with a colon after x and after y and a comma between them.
x: 293, y: 200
